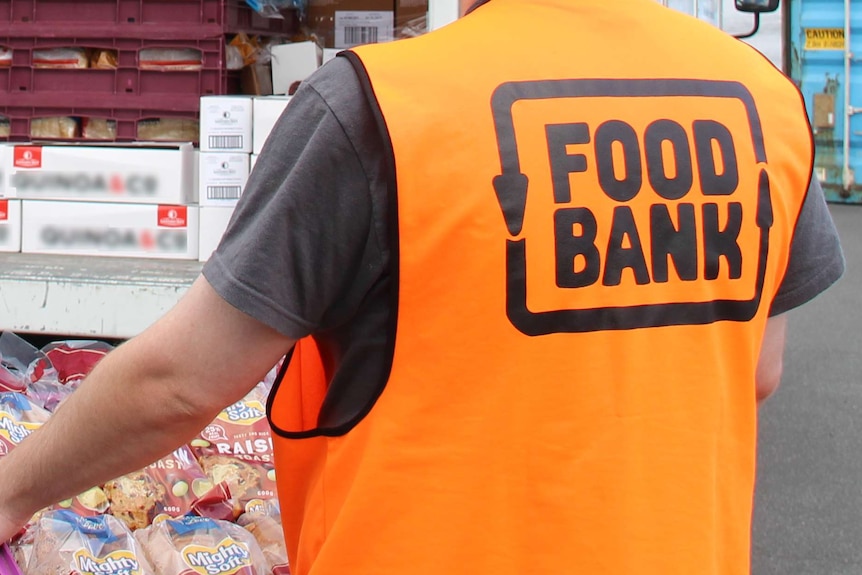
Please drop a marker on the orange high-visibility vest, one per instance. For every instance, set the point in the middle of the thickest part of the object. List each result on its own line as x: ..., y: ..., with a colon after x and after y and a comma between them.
x: 595, y: 203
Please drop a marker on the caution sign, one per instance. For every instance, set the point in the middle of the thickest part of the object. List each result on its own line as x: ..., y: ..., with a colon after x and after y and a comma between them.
x: 631, y: 203
x: 824, y: 38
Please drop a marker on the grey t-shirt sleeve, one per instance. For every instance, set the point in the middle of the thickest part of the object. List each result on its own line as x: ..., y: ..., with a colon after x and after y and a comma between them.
x: 302, y: 249
x: 816, y: 260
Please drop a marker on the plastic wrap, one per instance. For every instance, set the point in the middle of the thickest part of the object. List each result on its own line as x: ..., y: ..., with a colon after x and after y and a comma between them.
x: 66, y: 543
x: 61, y: 127
x: 20, y: 363
x: 103, y: 59
x: 263, y: 520
x: 168, y: 130
x: 168, y: 59
x: 98, y: 129
x: 19, y: 417
x: 273, y: 8
x: 65, y: 58
x: 169, y: 486
x: 237, y: 448
x: 64, y: 366
x: 194, y: 544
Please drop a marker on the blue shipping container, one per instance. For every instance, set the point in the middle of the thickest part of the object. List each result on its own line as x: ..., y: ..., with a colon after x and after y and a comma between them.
x: 824, y: 41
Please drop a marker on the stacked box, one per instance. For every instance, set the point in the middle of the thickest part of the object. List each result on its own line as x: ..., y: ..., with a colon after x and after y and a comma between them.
x: 10, y: 225
x: 136, y: 200
x: 110, y: 229
x: 230, y: 127
x: 267, y: 111
x: 151, y: 174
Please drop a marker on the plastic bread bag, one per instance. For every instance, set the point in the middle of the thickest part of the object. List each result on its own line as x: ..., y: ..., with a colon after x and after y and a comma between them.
x: 66, y: 58
x: 98, y: 129
x: 263, y: 520
x: 169, y: 486
x: 73, y: 360
x: 236, y: 448
x: 91, y: 503
x: 19, y: 417
x: 193, y: 544
x: 5, y: 57
x: 67, y: 544
x: 168, y: 59
x: 168, y: 130
x: 20, y: 363
x: 49, y: 394
x: 61, y: 367
x: 101, y: 59
x: 269, y: 379
x: 61, y: 127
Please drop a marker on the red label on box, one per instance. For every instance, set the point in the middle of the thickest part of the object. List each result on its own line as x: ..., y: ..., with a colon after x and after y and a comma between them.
x: 173, y: 216
x: 4, y: 210
x: 28, y: 157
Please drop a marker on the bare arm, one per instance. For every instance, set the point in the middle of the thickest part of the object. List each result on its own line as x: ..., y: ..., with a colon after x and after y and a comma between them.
x: 770, y: 363
x: 144, y: 399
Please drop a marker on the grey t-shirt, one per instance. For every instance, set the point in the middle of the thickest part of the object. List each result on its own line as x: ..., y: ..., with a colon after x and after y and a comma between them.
x: 307, y: 251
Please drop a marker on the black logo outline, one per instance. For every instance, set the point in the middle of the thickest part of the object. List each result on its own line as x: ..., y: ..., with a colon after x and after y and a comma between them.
x: 511, y: 189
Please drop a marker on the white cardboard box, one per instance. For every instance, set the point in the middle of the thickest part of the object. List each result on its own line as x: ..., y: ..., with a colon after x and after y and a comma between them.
x: 226, y: 124
x: 5, y: 150
x: 222, y: 178
x: 293, y: 63
x: 329, y: 54
x: 105, y: 229
x: 10, y: 225
x: 252, y: 161
x: 267, y: 111
x: 145, y: 173
x: 214, y: 220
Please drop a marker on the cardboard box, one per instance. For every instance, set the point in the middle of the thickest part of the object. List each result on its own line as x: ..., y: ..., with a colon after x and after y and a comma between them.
x: 252, y: 162
x: 10, y: 225
x: 267, y: 111
x: 105, y: 229
x: 131, y: 173
x: 222, y: 178
x: 214, y: 220
x: 292, y: 63
x: 5, y: 164
x: 226, y: 124
x: 256, y: 79
x: 348, y: 23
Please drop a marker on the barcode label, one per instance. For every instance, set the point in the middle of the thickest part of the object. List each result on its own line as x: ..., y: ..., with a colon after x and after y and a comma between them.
x: 225, y: 142
x: 360, y: 35
x: 224, y: 192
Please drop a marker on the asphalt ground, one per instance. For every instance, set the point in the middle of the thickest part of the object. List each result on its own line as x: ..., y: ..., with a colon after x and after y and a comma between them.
x: 808, y: 504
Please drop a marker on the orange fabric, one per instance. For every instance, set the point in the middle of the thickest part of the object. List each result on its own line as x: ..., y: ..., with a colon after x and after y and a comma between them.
x: 542, y: 415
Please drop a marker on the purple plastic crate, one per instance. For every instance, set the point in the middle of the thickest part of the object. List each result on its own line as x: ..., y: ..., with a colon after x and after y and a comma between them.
x: 8, y: 566
x: 126, y: 121
x: 128, y: 86
x: 154, y: 19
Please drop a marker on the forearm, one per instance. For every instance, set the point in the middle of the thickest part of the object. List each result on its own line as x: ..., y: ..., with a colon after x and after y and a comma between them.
x: 131, y: 414
x: 143, y: 400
